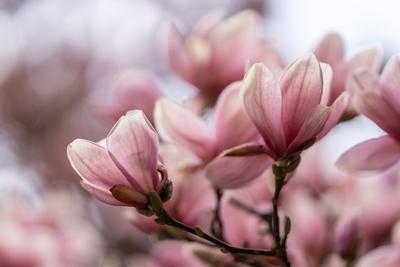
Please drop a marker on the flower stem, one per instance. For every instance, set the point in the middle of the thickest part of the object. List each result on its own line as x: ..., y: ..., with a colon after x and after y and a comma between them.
x: 165, y: 218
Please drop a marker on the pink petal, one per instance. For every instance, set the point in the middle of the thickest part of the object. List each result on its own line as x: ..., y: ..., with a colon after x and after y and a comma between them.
x: 262, y: 100
x: 179, y: 125
x: 390, y: 79
x: 330, y: 50
x: 311, y: 127
x: 233, y: 172
x: 384, y: 256
x: 370, y: 58
x: 229, y: 114
x: 379, y: 110
x: 375, y: 154
x: 268, y: 54
x: 337, y: 109
x: 177, y: 55
x: 233, y: 42
x: 133, y: 146
x: 301, y: 86
x: 363, y: 80
x: 196, y: 200
x: 92, y: 162
x: 101, y: 194
x: 327, y: 75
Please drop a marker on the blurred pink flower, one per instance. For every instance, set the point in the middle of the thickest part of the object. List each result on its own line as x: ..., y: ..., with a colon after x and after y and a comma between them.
x: 291, y: 109
x: 54, y: 234
x: 125, y: 170
x: 385, y: 256
x: 170, y: 254
x: 179, y: 125
x: 215, y: 54
x: 331, y: 50
x: 309, y: 232
x: 134, y: 89
x: 378, y: 98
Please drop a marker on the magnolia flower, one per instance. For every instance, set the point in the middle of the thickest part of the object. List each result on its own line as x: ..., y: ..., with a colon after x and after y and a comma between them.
x: 123, y: 171
x: 291, y: 109
x: 331, y: 50
x: 132, y: 90
x: 378, y: 98
x: 216, y: 52
x: 178, y: 125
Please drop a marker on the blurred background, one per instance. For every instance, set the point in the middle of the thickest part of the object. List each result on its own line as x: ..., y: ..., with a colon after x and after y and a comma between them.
x: 58, y: 61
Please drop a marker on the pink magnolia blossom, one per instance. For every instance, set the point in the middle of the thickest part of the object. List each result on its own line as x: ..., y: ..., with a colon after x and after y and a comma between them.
x: 378, y: 98
x: 385, y: 256
x: 123, y: 171
x: 331, y: 50
x: 134, y: 89
x: 291, y: 109
x: 232, y: 126
x: 216, y: 52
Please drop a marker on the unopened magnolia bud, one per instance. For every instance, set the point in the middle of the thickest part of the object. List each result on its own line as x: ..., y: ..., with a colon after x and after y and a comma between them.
x: 166, y: 194
x: 127, y: 195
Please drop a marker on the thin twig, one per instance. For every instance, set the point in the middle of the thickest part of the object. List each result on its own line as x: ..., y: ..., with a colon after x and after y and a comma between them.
x: 216, y: 223
x: 168, y: 220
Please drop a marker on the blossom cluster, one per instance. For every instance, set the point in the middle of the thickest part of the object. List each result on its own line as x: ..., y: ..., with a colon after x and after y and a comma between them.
x: 217, y: 162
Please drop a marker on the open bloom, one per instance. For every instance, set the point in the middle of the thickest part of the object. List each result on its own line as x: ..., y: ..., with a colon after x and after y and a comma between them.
x: 179, y: 125
x: 123, y: 171
x: 132, y: 90
x: 291, y: 109
x: 378, y: 98
x: 385, y: 256
x: 331, y: 50
x: 216, y: 52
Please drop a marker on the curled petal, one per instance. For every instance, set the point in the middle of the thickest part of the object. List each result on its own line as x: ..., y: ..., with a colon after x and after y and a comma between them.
x: 262, y: 100
x: 390, y: 79
x: 101, y: 193
x: 247, y: 149
x: 92, y: 162
x: 179, y: 125
x: 233, y: 172
x: 301, y: 86
x: 133, y: 146
x: 229, y: 113
x: 330, y: 50
x: 337, y: 109
x: 375, y: 154
x: 311, y: 127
